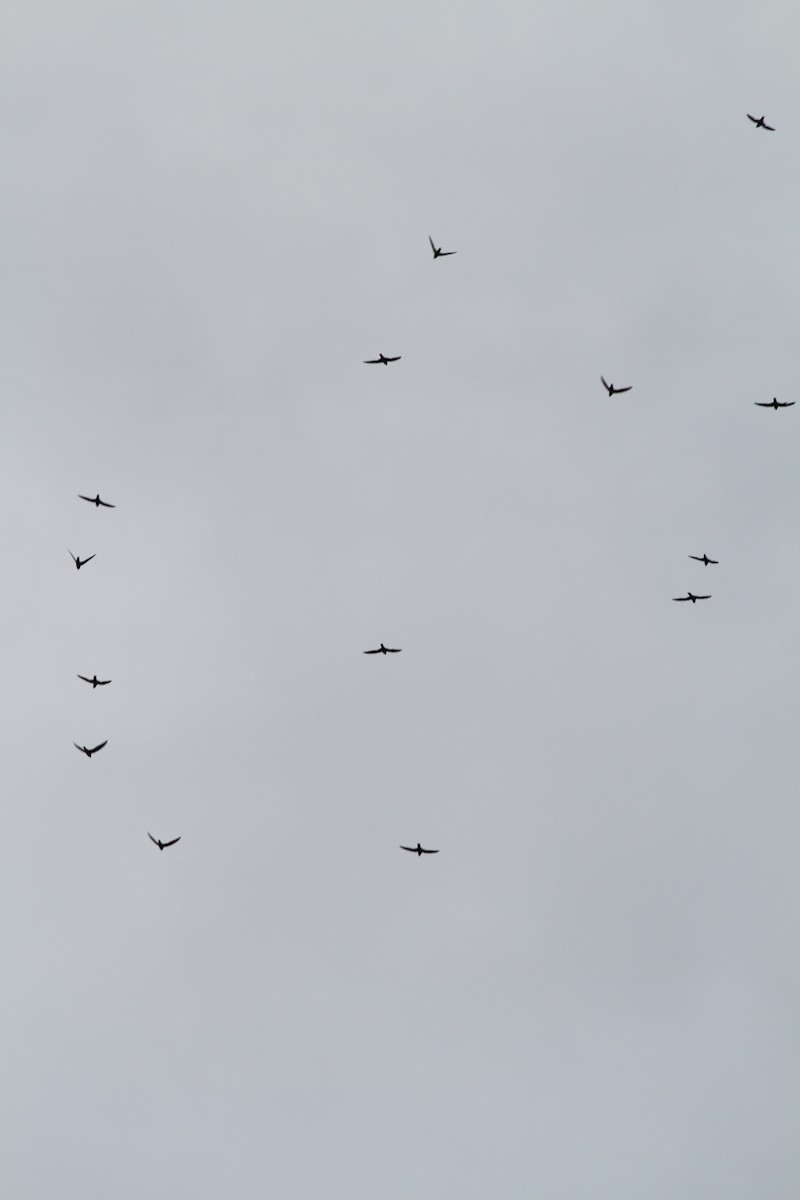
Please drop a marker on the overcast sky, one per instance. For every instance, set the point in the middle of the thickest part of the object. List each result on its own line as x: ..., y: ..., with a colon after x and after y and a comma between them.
x: 211, y: 215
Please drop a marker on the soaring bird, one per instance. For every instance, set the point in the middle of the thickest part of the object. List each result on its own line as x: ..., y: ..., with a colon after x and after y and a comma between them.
x: 383, y: 650
x: 80, y: 562
x: 774, y: 403
x: 94, y: 681
x: 418, y: 850
x: 96, y: 501
x: 705, y: 560
x: 93, y: 750
x: 440, y: 253
x: 689, y: 596
x: 162, y: 845
x: 382, y: 358
x: 760, y: 123
x: 613, y: 391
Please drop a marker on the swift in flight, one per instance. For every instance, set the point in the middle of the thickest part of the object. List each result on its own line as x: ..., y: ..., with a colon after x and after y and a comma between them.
x: 96, y: 501
x: 774, y: 403
x: 382, y: 358
x: 80, y: 562
x: 85, y: 750
x: 613, y: 391
x: 440, y: 253
x: 760, y: 123
x: 418, y: 850
x: 689, y: 596
x: 94, y: 681
x: 384, y: 650
x: 162, y: 845
x: 705, y: 560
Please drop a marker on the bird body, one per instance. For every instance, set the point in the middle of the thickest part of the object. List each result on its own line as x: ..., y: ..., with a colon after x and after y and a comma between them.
x: 80, y: 562
x: 705, y: 560
x: 96, y: 501
x: 418, y: 850
x: 94, y: 681
x: 775, y: 403
x: 760, y: 123
x: 383, y: 358
x: 383, y: 650
x: 614, y: 391
x: 85, y: 749
x: 162, y: 845
x: 691, y: 597
x: 439, y: 252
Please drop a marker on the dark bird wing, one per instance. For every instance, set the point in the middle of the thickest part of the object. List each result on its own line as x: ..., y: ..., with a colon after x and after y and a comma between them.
x: 72, y: 556
x: 697, y: 558
x: 447, y: 253
x: 100, y: 747
x: 715, y: 561
x: 753, y: 119
x: 102, y: 682
x: 85, y: 560
x: 411, y: 849
x: 89, y: 498
x: 152, y: 839
x: 771, y: 128
x: 681, y: 597
x: 389, y: 650
x: 703, y: 597
x: 763, y: 404
x: 82, y: 749
x: 787, y: 404
x: 625, y: 389
x: 84, y: 678
x: 372, y: 652
x: 373, y: 360
x: 605, y: 385
x: 172, y: 843
x: 396, y: 358
x: 424, y: 851
x: 105, y: 504
x: 433, y: 248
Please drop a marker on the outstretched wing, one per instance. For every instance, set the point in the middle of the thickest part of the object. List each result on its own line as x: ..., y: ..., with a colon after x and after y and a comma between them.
x: 102, y: 682
x: 753, y: 119
x: 625, y: 389
x: 396, y: 358
x: 447, y: 253
x: 373, y: 360
x: 389, y: 650
x: 681, y: 597
x: 172, y: 843
x: 763, y: 404
x: 105, y: 504
x: 433, y: 248
x: 703, y: 597
x: 84, y: 678
x: 94, y: 749
x: 85, y: 560
x: 424, y: 851
x: 72, y: 556
x: 605, y: 385
x: 411, y: 849
x: 697, y: 558
x: 372, y: 652
x: 82, y: 749
x: 89, y: 498
x: 771, y: 128
x: 152, y: 839
x: 787, y: 404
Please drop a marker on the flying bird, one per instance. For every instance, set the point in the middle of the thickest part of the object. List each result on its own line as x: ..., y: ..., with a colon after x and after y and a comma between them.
x: 162, y: 845
x: 440, y: 253
x: 382, y: 358
x: 760, y: 123
x: 96, y: 501
x: 613, y: 391
x: 705, y: 560
x: 418, y: 850
x: 774, y: 403
x: 93, y: 750
x: 94, y: 681
x: 80, y: 562
x: 384, y: 650
x: 689, y: 596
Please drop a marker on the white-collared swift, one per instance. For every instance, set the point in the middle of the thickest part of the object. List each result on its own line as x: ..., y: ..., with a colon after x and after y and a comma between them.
x: 774, y: 403
x: 614, y: 391
x: 96, y: 501
x: 383, y: 358
x: 161, y: 845
x: 760, y: 123
x: 80, y: 562
x: 94, y: 681
x: 705, y: 560
x: 690, y: 596
x: 438, y: 252
x: 384, y: 650
x: 85, y: 749
x: 418, y: 850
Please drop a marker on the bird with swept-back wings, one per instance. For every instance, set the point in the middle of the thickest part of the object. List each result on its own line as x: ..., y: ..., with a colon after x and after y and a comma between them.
x: 439, y: 252
x: 96, y: 501
x: 760, y: 123
x: 705, y: 560
x: 94, y: 681
x: 774, y: 403
x: 161, y: 845
x: 382, y: 358
x: 384, y: 650
x: 80, y: 562
x: 691, y: 597
x: 85, y: 749
x: 418, y: 850
x: 614, y: 391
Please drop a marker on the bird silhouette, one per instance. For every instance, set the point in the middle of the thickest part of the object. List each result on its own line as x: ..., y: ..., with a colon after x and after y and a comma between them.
x: 774, y: 403
x: 383, y: 650
x: 85, y: 750
x: 94, y: 681
x: 96, y: 501
x: 760, y: 123
x: 689, y: 596
x: 80, y: 562
x: 418, y: 850
x: 162, y: 845
x: 440, y: 253
x: 613, y: 391
x: 705, y: 560
x: 382, y: 358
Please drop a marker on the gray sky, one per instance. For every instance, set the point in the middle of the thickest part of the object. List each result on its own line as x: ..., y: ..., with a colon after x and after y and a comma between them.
x: 211, y: 215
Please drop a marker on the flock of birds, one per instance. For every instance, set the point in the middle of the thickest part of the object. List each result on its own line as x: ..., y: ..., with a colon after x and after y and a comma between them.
x: 384, y: 360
